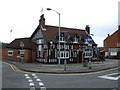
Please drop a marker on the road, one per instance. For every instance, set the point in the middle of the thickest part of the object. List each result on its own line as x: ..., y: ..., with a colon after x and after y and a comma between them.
x: 13, y: 79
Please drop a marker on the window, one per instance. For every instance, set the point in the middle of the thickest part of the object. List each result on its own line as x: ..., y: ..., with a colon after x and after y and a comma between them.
x: 64, y: 54
x: 22, y: 52
x: 39, y: 47
x: 62, y: 39
x: 88, y: 54
x: 118, y: 44
x: 113, y: 53
x: 75, y: 40
x: 10, y: 53
x: 39, y: 41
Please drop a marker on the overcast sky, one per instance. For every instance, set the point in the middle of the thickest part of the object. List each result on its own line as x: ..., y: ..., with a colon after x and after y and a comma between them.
x: 22, y: 16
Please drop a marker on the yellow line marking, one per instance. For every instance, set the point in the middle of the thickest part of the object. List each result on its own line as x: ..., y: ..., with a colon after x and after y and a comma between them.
x: 14, y: 68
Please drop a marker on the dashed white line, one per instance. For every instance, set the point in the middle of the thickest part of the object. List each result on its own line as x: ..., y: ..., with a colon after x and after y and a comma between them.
x: 35, y: 76
x: 43, y: 88
x: 31, y: 84
x: 38, y: 80
x: 28, y: 77
x: 30, y: 80
x: 32, y: 88
x: 41, y: 84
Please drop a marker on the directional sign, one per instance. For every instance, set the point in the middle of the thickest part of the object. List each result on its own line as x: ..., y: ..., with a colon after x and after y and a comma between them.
x: 89, y: 40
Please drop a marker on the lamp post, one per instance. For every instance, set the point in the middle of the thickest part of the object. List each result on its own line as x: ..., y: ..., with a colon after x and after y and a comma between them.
x: 10, y: 34
x: 59, y: 33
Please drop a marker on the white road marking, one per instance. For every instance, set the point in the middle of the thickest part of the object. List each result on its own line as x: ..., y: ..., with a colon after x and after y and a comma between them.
x: 30, y: 80
x: 32, y: 88
x: 110, y: 77
x: 43, y: 88
x: 26, y: 75
x: 41, y: 84
x: 35, y: 76
x: 31, y: 84
x: 38, y: 80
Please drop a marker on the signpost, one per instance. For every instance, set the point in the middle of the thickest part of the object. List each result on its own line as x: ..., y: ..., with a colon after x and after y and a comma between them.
x: 22, y: 45
x: 89, y: 42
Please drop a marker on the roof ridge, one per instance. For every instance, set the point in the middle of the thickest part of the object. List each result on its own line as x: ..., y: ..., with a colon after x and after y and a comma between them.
x: 65, y: 27
x: 22, y: 38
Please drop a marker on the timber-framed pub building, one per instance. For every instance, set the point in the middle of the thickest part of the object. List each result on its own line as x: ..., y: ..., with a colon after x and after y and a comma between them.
x: 72, y: 43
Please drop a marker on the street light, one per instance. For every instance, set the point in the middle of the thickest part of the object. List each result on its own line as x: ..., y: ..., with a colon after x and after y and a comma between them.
x: 10, y: 34
x: 59, y: 33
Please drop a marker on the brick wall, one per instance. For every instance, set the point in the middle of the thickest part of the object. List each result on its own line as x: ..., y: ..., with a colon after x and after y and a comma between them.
x: 111, y: 41
x: 29, y: 56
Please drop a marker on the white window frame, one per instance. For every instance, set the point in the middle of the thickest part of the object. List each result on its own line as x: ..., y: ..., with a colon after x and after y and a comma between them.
x: 88, y: 54
x: 75, y: 40
x: 39, y: 47
x: 113, y: 53
x: 64, y: 53
x: 62, y: 39
x: 22, y: 53
x: 118, y: 44
x: 10, y: 52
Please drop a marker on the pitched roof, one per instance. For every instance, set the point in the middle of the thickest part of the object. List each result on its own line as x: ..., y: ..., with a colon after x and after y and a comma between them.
x: 28, y: 44
x: 51, y: 32
x: 116, y: 32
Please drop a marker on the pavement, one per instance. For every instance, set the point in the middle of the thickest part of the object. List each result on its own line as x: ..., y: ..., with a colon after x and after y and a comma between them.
x: 70, y: 68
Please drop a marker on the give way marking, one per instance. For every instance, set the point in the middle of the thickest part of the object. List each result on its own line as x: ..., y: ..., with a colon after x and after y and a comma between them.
x: 113, y: 76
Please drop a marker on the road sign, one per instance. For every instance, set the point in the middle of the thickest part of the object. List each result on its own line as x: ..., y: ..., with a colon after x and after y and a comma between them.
x: 89, y: 40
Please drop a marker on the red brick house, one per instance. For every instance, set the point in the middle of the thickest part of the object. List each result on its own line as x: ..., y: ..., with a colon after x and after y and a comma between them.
x: 13, y: 51
x: 112, y: 45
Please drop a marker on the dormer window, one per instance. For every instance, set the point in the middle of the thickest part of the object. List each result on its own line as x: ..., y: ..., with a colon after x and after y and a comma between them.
x: 62, y: 39
x: 75, y: 40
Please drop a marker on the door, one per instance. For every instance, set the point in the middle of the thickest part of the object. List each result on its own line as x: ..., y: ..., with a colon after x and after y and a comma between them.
x: 80, y: 56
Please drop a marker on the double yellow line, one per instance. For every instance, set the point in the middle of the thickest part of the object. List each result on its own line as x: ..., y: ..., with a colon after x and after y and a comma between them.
x: 14, y: 68
x: 22, y: 71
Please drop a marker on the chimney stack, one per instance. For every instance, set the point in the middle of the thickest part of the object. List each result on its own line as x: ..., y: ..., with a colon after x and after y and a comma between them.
x: 87, y: 28
x: 118, y: 26
x: 42, y: 21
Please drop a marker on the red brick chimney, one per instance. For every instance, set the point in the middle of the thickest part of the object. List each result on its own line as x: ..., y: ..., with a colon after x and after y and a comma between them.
x: 42, y: 21
x: 87, y: 28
